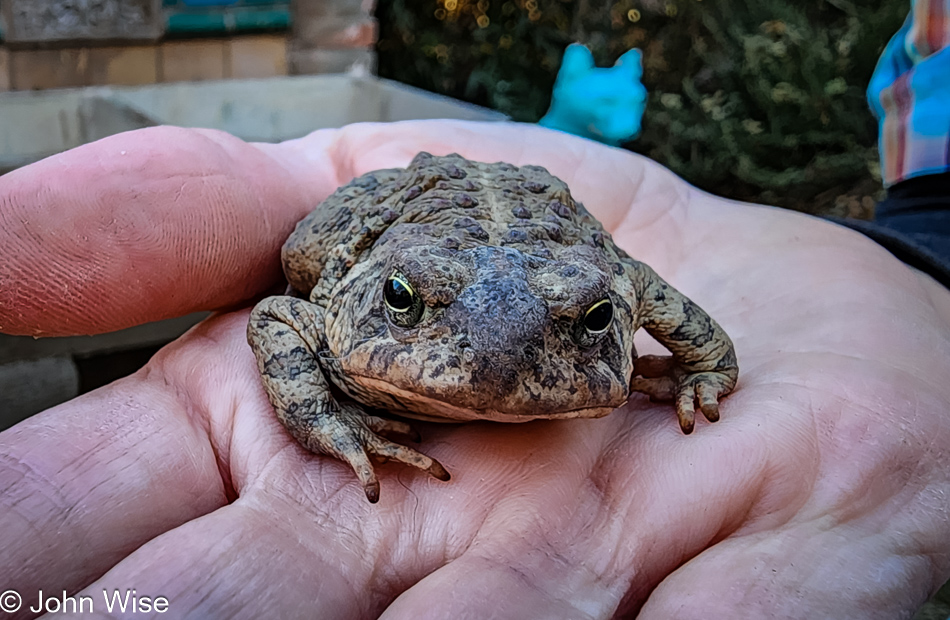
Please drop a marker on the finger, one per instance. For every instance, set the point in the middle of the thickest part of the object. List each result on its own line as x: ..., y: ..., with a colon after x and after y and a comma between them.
x: 538, y: 543
x: 142, y: 226
x: 653, y: 366
x: 85, y: 483
x: 265, y: 556
x: 686, y: 409
x: 408, y: 456
x: 385, y: 426
x: 477, y: 587
x: 660, y: 388
x: 363, y: 468
x: 863, y: 539
x: 592, y: 539
x: 685, y: 412
x: 874, y: 576
x: 708, y: 398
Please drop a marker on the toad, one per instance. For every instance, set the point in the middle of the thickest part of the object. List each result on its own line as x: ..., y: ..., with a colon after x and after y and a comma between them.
x: 455, y: 290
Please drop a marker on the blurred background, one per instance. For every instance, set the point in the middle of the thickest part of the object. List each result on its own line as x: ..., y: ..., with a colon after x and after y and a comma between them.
x: 759, y: 100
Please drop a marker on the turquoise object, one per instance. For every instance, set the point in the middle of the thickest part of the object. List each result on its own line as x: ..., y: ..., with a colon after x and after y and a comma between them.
x: 600, y: 104
x: 223, y: 17
x: 240, y: 19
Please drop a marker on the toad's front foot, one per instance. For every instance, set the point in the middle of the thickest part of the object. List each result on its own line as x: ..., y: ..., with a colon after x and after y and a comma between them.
x: 663, y: 379
x: 282, y: 337
x: 354, y: 436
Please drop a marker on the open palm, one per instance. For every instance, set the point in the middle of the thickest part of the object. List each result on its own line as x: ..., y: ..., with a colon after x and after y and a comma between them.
x: 822, y: 492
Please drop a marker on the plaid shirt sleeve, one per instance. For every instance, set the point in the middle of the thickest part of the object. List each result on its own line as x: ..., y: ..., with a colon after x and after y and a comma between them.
x: 909, y: 94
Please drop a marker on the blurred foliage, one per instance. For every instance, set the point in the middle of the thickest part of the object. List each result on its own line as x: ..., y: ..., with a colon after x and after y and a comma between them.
x: 759, y: 100
x: 503, y: 54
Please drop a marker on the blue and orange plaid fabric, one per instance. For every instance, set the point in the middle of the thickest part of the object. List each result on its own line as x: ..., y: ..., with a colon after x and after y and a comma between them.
x: 910, y: 95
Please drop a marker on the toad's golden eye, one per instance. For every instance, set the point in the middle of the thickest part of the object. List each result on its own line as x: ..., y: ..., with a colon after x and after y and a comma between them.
x: 405, y: 306
x: 598, y: 317
x: 590, y: 328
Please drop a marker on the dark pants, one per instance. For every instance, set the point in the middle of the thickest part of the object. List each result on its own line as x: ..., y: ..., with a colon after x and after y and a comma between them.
x: 913, y: 222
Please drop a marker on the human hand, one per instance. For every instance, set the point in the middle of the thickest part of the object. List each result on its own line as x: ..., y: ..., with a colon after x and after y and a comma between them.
x: 822, y: 492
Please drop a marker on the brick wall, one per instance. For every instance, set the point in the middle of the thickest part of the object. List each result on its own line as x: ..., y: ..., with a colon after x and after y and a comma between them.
x: 171, y: 61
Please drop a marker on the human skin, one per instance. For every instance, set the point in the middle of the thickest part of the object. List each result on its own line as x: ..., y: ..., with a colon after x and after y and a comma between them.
x: 822, y: 492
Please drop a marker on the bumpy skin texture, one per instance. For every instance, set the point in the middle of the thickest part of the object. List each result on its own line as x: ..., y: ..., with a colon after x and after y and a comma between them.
x: 507, y: 266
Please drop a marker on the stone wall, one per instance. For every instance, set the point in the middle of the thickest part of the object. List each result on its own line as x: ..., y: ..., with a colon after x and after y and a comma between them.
x: 50, y: 44
x: 53, y: 21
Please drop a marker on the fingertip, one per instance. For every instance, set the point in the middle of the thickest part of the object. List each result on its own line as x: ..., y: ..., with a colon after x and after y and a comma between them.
x: 711, y: 411
x: 372, y: 492
x: 707, y: 396
x: 184, y: 230
x: 438, y: 472
x: 685, y: 412
x: 365, y: 473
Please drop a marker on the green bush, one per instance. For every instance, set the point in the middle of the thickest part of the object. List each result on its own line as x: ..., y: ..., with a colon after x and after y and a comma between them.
x: 758, y: 100
x: 502, y: 54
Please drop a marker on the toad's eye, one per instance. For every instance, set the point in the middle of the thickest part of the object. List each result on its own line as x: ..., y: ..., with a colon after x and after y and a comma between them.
x: 594, y: 324
x: 405, y: 306
x: 598, y: 317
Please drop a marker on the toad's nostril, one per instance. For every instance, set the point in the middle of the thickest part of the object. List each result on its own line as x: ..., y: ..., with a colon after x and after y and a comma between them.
x: 465, y: 348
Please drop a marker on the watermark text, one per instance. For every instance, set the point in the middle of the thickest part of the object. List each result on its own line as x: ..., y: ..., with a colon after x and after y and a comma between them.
x: 112, y: 601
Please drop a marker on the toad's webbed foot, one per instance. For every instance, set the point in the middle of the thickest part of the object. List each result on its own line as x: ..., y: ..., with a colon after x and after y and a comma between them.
x: 283, y: 334
x: 663, y: 379
x: 354, y: 436
x: 703, y: 367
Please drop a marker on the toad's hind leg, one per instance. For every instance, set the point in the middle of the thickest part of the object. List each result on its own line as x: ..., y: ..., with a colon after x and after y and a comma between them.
x: 283, y: 332
x: 703, y: 366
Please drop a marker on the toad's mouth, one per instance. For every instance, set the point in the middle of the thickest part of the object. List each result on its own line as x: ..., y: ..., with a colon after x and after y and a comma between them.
x: 411, y: 404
